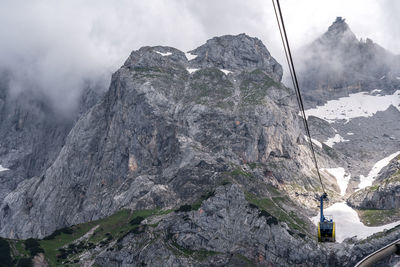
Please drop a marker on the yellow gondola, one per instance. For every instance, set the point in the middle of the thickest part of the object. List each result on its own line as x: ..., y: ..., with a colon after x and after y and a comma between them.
x: 326, y: 226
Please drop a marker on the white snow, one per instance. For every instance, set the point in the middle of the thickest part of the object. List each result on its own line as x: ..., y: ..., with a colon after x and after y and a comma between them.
x: 398, y: 78
x: 350, y: 133
x: 355, y: 105
x: 3, y: 169
x: 164, y: 54
x: 191, y: 70
x: 225, y: 71
x: 348, y: 223
x: 336, y: 139
x: 376, y: 91
x: 383, y: 77
x: 316, y: 142
x: 190, y: 56
x: 341, y: 178
x: 367, y: 181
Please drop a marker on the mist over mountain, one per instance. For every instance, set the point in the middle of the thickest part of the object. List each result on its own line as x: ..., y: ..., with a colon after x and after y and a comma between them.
x: 338, y: 63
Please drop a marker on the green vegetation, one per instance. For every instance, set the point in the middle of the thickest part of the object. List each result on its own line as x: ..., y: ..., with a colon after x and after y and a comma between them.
x: 272, y: 207
x: 378, y: 217
x: 209, y: 86
x: 238, y: 172
x: 33, y: 246
x: 372, y: 188
x: 200, y: 255
x: 24, y: 262
x: 59, y: 247
x: 245, y: 261
x: 255, y: 85
x: 330, y: 151
x: 393, y: 178
x: 196, y: 205
x: 5, y: 253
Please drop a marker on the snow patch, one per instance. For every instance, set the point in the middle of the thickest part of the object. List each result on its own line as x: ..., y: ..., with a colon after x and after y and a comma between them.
x: 348, y: 223
x: 383, y: 77
x: 190, y: 56
x: 398, y: 78
x: 367, y: 181
x: 191, y: 70
x: 316, y: 142
x: 350, y: 133
x: 376, y: 91
x: 3, y: 169
x: 341, y: 178
x: 164, y: 54
x: 355, y: 105
x: 334, y: 140
x: 225, y: 71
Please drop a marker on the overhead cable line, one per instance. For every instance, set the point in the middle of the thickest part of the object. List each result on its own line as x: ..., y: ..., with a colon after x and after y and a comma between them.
x: 288, y: 54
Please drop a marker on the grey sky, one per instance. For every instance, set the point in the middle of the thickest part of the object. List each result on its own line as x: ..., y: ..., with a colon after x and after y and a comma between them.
x: 54, y: 46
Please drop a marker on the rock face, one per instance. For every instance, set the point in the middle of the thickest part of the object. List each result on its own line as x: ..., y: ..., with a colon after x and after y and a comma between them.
x: 162, y: 136
x: 237, y: 53
x: 337, y: 64
x: 384, y: 193
x: 332, y: 69
x: 31, y: 136
x: 224, y: 231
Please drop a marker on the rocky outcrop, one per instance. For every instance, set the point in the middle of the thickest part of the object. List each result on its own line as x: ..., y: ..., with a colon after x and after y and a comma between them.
x: 384, y: 193
x: 226, y: 230
x: 162, y: 136
x: 237, y: 53
x: 32, y: 131
x: 337, y: 63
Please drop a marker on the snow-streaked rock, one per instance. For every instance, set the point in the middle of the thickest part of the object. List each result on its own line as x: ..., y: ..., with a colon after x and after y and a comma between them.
x: 341, y: 177
x: 367, y: 180
x: 3, y: 169
x: 334, y: 140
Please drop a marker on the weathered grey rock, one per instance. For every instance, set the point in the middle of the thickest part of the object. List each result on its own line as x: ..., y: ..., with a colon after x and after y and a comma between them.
x: 226, y: 230
x: 384, y: 193
x: 162, y: 136
x: 236, y: 53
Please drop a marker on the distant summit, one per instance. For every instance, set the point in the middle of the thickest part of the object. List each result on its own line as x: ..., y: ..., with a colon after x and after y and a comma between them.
x: 338, y: 33
x: 339, y: 63
x: 339, y: 25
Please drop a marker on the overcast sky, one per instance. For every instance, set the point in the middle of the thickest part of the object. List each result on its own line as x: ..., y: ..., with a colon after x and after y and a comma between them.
x: 53, y: 46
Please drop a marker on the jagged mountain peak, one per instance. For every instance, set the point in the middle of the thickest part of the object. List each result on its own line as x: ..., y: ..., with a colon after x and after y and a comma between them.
x: 338, y: 33
x: 229, y: 52
x: 339, y: 25
x: 236, y: 52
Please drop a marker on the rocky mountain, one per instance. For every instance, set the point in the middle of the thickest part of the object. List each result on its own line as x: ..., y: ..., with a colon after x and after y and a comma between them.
x: 162, y: 136
x: 354, y: 87
x: 189, y: 159
x: 337, y: 64
x: 385, y: 191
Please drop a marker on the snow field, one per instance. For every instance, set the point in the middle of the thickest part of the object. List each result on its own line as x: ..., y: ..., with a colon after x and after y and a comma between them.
x: 355, y: 105
x: 3, y: 169
x: 164, y: 54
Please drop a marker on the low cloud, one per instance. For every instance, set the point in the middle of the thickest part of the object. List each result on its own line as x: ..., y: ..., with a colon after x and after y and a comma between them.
x: 56, y: 47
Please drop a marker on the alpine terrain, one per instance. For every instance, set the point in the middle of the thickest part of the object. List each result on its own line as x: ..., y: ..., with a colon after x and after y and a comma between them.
x: 200, y: 159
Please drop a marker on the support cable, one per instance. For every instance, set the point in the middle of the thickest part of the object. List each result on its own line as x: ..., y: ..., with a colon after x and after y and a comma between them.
x: 288, y: 54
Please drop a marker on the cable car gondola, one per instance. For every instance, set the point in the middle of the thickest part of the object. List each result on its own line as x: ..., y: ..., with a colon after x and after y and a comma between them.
x: 326, y: 225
